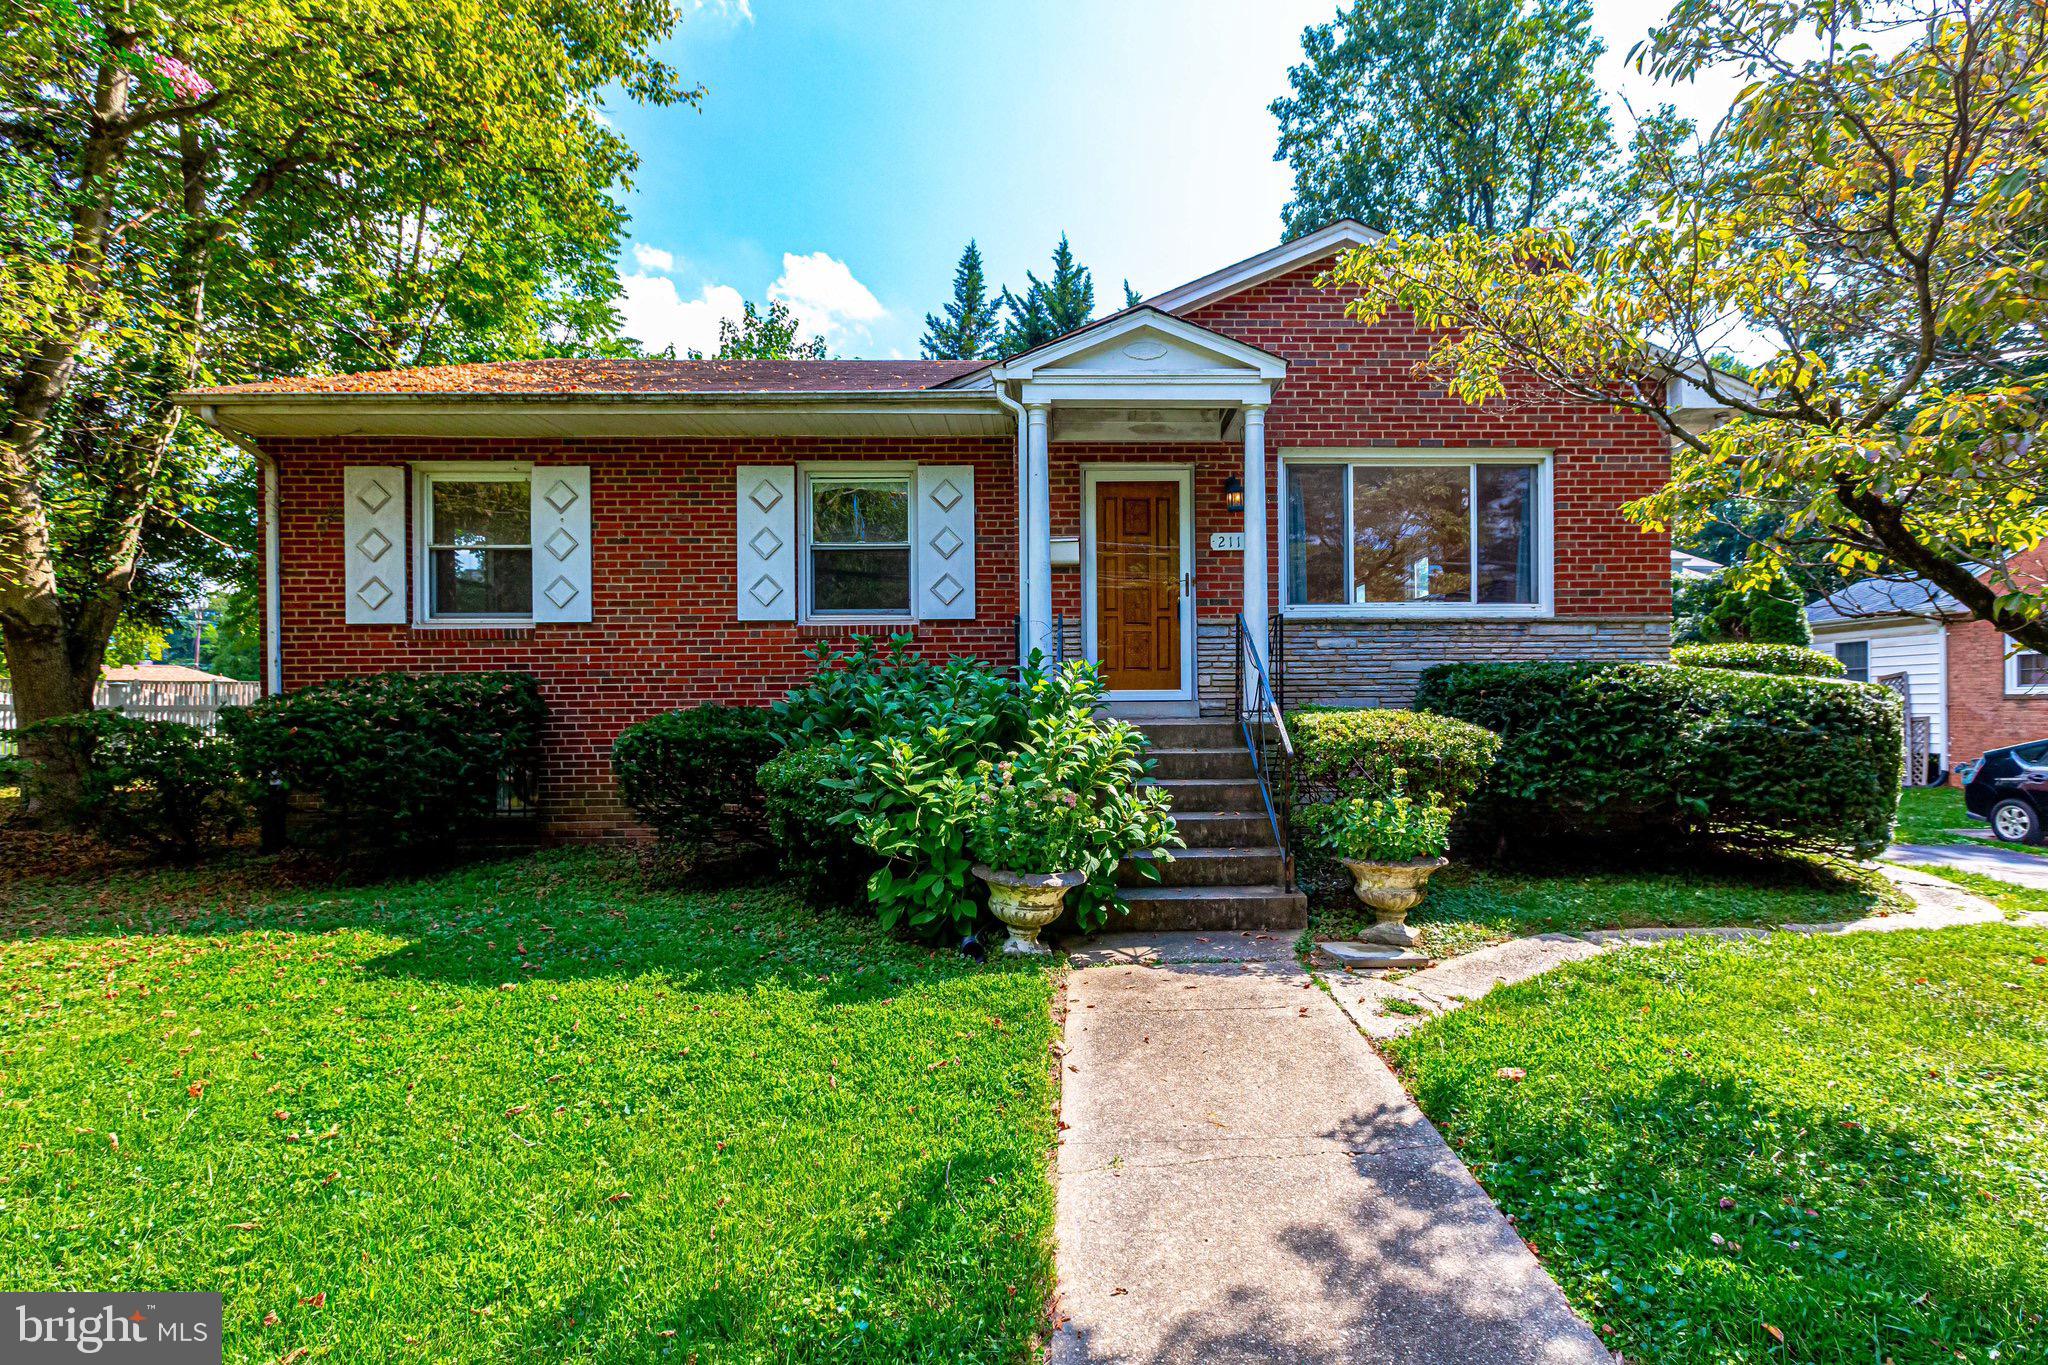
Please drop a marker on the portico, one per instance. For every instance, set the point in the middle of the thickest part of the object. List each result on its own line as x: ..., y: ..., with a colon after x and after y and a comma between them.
x: 1143, y: 439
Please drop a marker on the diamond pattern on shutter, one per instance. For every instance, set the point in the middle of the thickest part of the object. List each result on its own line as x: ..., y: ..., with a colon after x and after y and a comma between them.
x: 764, y: 543
x: 372, y: 529
x: 945, y: 542
x: 561, y: 535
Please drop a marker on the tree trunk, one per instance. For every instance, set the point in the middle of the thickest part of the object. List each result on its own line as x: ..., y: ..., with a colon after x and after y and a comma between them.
x: 48, y: 685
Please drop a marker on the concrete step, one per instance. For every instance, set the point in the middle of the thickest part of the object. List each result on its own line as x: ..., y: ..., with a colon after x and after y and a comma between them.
x: 1169, y: 764
x: 1157, y: 908
x: 1239, y: 795
x: 1241, y: 866
x: 1223, y: 829
x: 1192, y: 734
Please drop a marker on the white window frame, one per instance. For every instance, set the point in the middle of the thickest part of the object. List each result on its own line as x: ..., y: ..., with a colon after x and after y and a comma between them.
x: 851, y: 471
x: 1546, y: 522
x: 424, y: 477
x: 2013, y: 686
x: 1835, y: 648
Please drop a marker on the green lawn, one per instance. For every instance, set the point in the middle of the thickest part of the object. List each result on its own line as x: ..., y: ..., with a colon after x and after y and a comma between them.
x: 1469, y: 908
x: 1927, y: 814
x: 1798, y: 1149
x: 529, y: 1110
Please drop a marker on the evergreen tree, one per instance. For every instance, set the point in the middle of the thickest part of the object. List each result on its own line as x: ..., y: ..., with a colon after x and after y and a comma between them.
x: 1050, y: 308
x: 968, y: 329
x: 1132, y: 298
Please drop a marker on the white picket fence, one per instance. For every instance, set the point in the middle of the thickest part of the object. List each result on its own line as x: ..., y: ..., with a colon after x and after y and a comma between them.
x: 194, y: 703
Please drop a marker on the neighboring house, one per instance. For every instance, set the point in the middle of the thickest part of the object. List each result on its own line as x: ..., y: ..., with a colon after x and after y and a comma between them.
x: 1687, y: 565
x: 647, y: 534
x: 1976, y: 690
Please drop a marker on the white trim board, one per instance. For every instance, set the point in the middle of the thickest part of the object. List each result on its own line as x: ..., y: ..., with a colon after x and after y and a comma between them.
x: 1184, y: 475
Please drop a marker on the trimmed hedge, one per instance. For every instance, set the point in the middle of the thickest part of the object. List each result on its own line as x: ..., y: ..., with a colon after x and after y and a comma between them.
x: 167, y: 786
x: 396, y: 760
x: 689, y: 775
x: 1647, y: 751
x: 800, y: 805
x: 1343, y: 754
x: 1785, y: 661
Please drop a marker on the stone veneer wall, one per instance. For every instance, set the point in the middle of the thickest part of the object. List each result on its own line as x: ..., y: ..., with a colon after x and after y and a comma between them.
x: 1379, y: 662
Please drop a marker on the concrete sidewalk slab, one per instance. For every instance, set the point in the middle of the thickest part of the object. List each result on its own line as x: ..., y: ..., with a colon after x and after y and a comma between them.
x: 1243, y: 1179
x: 1220, y: 945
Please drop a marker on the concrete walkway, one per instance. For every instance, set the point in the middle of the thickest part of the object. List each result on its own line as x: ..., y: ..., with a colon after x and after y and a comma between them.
x: 1387, y: 1006
x: 1989, y: 860
x: 1243, y: 1179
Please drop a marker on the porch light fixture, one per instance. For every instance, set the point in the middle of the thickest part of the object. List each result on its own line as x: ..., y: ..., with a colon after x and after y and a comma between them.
x: 1233, y: 493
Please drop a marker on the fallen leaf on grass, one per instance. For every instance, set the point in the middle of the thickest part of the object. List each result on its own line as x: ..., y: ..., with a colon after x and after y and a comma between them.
x: 319, y: 1300
x: 271, y: 1319
x: 295, y: 1355
x: 616, y: 1198
x: 1776, y: 1335
x: 1511, y: 1073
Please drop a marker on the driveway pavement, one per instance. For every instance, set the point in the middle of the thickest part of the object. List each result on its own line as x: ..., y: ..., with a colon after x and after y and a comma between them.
x: 1243, y: 1179
x: 2006, y: 864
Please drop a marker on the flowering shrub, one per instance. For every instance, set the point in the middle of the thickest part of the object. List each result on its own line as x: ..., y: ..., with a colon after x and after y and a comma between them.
x: 946, y: 765
x: 1391, y: 829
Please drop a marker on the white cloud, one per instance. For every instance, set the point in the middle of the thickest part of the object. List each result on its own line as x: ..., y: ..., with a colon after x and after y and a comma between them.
x: 733, y: 11
x: 825, y: 297
x: 654, y: 258
x: 653, y: 313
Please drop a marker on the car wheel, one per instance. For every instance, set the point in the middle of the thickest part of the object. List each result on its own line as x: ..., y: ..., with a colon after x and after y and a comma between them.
x: 2016, y: 822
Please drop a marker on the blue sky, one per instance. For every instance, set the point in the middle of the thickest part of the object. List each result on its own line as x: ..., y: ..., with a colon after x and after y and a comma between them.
x: 846, y: 151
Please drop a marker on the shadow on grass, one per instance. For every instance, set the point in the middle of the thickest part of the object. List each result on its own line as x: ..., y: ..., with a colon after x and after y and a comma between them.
x: 1843, y: 1233
x: 1471, y: 905
x: 554, y: 915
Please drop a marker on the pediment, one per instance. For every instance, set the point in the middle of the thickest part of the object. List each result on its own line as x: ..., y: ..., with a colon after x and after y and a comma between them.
x: 1141, y: 343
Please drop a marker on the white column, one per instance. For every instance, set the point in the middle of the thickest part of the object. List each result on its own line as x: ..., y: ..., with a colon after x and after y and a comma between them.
x: 1255, y: 526
x: 1037, y: 528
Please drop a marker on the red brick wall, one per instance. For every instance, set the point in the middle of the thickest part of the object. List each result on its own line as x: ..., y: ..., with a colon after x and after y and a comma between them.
x: 664, y: 633
x: 1349, y: 386
x: 663, y: 523
x: 1980, y: 714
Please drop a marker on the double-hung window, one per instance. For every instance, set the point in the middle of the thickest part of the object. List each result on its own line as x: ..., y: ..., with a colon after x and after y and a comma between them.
x: 477, y: 538
x: 1418, y: 533
x: 2026, y: 673
x: 1854, y: 656
x: 857, y: 539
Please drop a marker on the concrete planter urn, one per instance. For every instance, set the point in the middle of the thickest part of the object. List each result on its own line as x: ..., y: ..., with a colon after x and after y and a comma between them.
x: 1027, y: 902
x: 1392, y: 890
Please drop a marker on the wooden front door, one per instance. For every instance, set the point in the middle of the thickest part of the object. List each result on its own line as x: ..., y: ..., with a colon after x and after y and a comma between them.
x: 1137, y: 585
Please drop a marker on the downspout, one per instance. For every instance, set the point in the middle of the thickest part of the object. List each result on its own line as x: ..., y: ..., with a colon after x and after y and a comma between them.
x: 1023, y: 516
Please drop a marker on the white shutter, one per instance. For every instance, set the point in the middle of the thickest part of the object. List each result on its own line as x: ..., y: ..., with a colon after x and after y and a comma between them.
x: 373, y: 535
x: 945, y: 542
x: 561, y: 542
x: 765, y: 580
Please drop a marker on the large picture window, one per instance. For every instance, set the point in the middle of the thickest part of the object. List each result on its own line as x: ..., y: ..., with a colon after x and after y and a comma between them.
x: 479, y: 546
x: 1434, y: 534
x: 857, y: 544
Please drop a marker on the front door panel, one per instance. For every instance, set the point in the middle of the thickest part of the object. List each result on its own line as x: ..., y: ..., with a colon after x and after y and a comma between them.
x: 1137, y: 585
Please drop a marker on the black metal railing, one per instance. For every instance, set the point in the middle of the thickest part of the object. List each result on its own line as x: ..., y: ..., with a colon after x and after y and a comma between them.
x: 1265, y: 735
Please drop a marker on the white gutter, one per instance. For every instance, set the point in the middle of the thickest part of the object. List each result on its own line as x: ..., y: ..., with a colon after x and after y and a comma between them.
x: 1023, y: 509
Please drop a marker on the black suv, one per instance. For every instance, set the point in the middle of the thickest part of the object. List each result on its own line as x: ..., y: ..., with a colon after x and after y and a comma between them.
x: 2009, y: 788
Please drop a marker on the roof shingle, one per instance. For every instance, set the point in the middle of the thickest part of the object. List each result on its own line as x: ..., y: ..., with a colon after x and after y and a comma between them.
x: 569, y: 376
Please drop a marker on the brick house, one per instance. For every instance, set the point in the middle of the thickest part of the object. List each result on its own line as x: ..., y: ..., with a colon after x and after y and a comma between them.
x: 643, y: 535
x: 1968, y: 685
